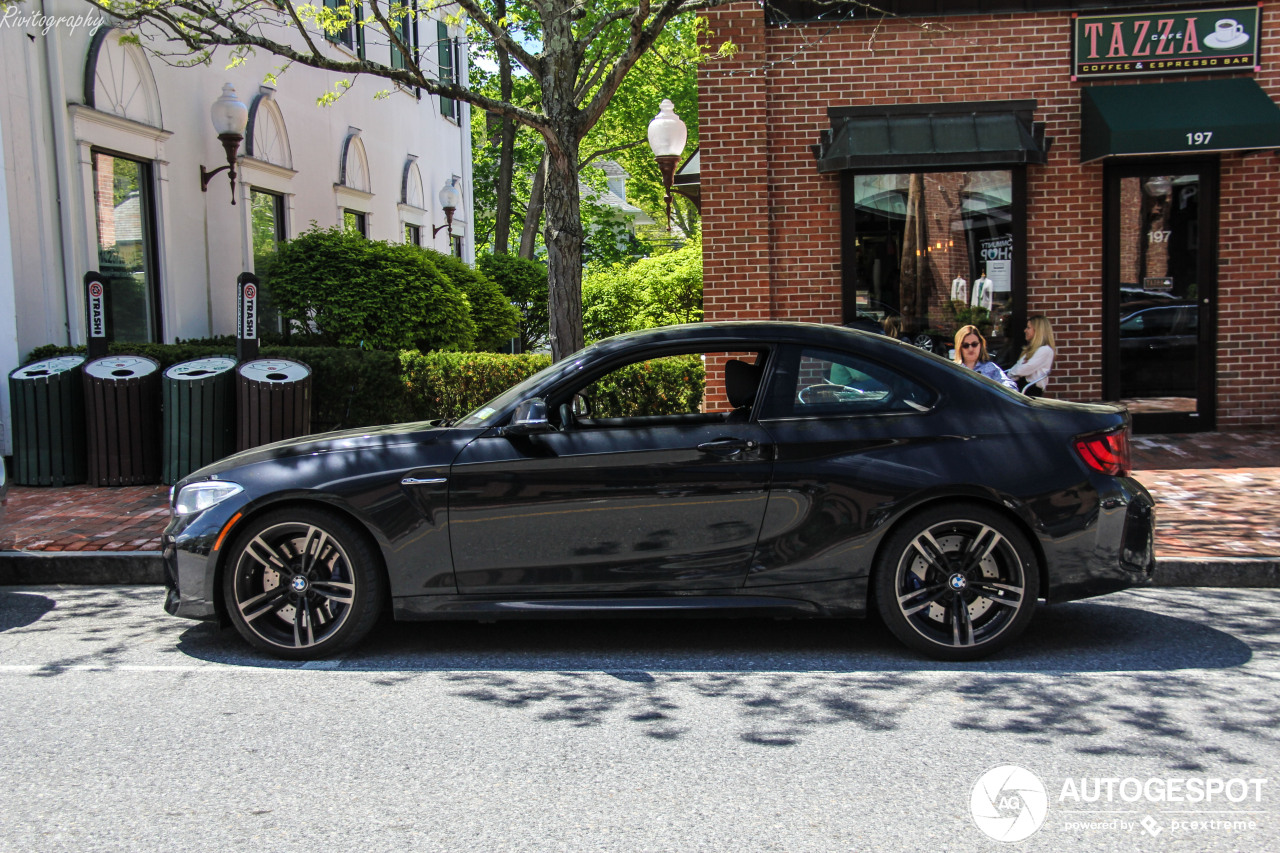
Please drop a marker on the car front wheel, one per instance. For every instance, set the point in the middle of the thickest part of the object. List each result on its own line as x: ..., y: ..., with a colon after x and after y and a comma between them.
x: 957, y: 582
x: 303, y: 584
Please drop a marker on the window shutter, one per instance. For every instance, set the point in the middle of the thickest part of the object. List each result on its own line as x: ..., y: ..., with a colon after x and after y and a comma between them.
x: 444, y: 49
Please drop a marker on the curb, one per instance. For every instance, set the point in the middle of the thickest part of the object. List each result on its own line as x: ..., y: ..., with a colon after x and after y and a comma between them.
x: 87, y: 568
x: 1241, y: 572
x: 105, y: 568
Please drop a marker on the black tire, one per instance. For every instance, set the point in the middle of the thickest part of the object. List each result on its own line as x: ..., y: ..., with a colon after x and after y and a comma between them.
x: 952, y: 555
x: 303, y: 583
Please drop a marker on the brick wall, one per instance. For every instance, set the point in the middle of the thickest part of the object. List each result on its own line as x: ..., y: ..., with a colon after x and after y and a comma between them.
x: 771, y: 222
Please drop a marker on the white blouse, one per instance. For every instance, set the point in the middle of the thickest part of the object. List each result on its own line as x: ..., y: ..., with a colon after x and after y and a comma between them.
x: 1035, y: 368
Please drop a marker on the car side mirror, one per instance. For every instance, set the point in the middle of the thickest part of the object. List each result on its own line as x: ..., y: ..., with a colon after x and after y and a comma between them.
x: 529, y: 418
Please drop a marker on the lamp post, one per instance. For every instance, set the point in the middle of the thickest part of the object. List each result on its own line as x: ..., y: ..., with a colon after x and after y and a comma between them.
x: 450, y: 199
x: 667, y: 136
x: 230, y: 117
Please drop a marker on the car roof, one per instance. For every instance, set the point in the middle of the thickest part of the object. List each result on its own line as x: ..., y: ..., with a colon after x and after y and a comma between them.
x: 764, y: 331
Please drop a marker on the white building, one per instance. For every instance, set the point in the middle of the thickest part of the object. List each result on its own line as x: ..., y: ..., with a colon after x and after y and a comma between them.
x: 101, y: 150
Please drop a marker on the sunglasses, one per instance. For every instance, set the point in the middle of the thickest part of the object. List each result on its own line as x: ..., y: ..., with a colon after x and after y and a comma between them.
x: 973, y: 345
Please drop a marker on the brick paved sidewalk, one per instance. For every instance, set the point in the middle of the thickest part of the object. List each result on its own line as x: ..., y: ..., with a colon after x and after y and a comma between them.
x: 1217, y: 494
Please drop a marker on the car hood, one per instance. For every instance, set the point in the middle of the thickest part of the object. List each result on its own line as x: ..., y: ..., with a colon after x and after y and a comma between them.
x: 360, y: 438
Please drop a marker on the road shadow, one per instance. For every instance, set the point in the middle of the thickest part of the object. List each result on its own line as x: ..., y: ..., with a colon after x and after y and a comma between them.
x: 778, y: 683
x: 19, y: 609
x: 1076, y: 637
x: 1134, y: 674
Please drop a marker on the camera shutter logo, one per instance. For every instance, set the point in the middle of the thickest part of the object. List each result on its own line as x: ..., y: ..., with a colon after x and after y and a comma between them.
x: 1009, y: 803
x: 97, y: 311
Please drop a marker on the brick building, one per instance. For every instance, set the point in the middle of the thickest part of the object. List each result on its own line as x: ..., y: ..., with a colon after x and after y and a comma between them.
x: 1111, y: 168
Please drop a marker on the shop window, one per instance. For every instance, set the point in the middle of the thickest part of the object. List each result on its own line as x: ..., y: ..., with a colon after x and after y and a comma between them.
x: 935, y: 251
x: 124, y: 204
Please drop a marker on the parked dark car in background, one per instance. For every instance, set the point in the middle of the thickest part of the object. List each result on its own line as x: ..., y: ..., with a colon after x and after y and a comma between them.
x: 1158, y: 350
x: 847, y: 471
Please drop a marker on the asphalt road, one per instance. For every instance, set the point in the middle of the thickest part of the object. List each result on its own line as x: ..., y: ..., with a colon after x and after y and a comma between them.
x: 124, y: 729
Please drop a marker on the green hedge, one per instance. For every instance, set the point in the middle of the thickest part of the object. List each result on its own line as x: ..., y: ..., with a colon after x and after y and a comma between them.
x: 451, y: 384
x: 659, y: 386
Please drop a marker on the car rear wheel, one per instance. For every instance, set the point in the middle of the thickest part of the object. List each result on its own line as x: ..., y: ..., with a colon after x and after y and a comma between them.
x: 957, y: 582
x: 303, y: 584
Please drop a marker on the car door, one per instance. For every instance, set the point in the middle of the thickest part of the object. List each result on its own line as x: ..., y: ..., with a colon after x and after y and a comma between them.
x: 610, y: 505
x: 848, y: 434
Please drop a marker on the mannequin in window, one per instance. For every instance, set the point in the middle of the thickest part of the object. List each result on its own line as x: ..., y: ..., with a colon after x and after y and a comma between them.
x: 960, y: 290
x: 982, y: 291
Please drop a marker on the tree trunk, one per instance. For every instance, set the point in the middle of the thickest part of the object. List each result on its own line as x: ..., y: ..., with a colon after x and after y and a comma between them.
x: 506, y: 149
x: 533, y: 215
x: 913, y: 262
x: 563, y: 236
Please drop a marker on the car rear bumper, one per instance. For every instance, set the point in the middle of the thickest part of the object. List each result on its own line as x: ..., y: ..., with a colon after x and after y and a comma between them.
x: 1117, y: 554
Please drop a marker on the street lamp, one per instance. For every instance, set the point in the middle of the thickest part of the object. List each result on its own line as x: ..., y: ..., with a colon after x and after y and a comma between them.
x: 667, y: 135
x: 230, y: 117
x: 450, y: 200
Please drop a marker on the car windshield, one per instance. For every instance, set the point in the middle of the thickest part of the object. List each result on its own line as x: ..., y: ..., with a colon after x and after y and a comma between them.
x: 489, y: 413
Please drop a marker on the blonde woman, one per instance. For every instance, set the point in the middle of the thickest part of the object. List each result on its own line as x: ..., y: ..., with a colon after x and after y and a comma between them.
x: 971, y: 351
x: 1032, y: 369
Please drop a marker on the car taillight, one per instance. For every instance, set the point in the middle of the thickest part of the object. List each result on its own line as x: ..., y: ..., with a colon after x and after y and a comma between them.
x: 1108, y: 453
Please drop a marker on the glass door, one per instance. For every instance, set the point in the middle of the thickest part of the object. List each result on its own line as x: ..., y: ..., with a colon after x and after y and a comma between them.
x: 1160, y: 293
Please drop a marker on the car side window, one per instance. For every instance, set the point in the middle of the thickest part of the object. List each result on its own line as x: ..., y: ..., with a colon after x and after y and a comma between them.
x: 822, y: 383
x: 657, y: 386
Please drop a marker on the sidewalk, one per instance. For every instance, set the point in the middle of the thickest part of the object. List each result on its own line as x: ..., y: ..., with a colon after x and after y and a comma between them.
x: 1217, y: 495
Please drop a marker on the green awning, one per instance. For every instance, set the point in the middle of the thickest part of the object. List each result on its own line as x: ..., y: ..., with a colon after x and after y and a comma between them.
x: 932, y: 137
x: 1177, y: 118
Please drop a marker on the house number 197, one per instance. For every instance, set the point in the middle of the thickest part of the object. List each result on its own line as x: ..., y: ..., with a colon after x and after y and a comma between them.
x: 1200, y: 137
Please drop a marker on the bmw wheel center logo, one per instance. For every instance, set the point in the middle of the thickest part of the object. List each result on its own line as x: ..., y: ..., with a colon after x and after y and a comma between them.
x: 958, y: 582
x: 299, y: 583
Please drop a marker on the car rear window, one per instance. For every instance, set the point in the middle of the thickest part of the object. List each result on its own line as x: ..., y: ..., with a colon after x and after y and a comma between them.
x: 824, y: 383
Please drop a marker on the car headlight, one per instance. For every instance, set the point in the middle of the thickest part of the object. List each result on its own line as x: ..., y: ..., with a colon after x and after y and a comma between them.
x: 197, y: 497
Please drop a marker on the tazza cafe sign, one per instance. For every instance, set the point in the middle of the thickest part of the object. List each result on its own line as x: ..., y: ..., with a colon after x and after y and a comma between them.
x: 1183, y: 42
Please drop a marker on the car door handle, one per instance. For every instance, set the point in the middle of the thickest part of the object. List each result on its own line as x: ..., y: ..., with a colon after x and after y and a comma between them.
x: 727, y: 446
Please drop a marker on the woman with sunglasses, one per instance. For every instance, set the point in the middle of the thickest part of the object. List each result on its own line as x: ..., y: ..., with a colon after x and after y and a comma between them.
x: 971, y: 351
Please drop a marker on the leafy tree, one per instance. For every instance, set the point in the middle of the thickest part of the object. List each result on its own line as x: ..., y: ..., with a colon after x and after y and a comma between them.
x: 659, y: 291
x: 577, y: 54
x: 524, y: 282
x: 494, y: 315
x: 345, y: 290
x: 668, y: 70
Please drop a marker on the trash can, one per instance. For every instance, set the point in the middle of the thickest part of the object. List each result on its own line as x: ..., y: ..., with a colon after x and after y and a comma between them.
x: 47, y: 400
x: 199, y: 415
x: 273, y: 401
x: 122, y: 412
